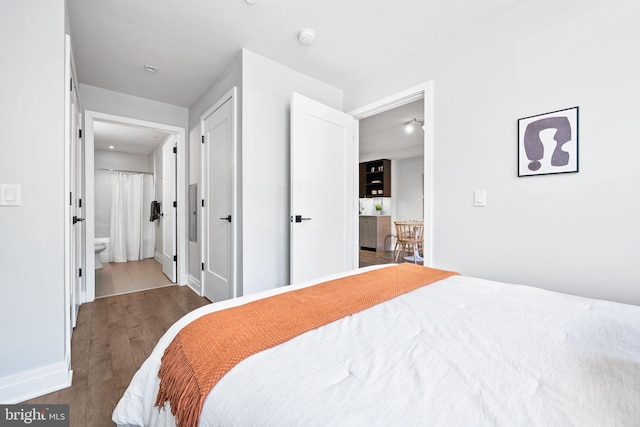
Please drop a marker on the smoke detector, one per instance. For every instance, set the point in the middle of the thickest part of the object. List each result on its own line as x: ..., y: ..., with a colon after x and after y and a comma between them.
x: 306, y: 36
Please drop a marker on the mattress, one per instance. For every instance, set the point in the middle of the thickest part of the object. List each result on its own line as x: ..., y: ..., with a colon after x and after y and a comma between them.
x: 462, y: 351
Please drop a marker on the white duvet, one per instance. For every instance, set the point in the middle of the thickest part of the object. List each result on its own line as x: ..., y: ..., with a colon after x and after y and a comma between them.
x: 459, y: 352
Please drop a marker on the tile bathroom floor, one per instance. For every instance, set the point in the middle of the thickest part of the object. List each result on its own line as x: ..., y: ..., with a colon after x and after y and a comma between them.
x: 122, y: 277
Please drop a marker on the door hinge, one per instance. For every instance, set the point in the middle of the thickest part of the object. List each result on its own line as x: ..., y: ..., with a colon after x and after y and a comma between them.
x: 79, y: 272
x: 79, y: 203
x: 175, y: 258
x: 79, y: 133
x: 203, y: 266
x: 71, y: 84
x: 203, y: 139
x: 203, y: 203
x: 70, y: 199
x: 175, y: 150
x: 175, y: 204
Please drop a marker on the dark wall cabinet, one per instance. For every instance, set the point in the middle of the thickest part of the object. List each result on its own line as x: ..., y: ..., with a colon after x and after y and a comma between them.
x: 375, y: 178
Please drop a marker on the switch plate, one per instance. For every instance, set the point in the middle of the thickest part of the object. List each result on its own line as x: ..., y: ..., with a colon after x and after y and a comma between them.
x: 480, y: 198
x: 10, y: 195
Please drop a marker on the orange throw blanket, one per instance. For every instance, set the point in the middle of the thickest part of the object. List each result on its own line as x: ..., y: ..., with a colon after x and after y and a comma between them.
x: 209, y: 347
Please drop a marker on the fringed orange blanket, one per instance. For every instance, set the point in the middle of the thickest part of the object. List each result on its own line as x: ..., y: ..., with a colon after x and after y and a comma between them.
x: 209, y: 347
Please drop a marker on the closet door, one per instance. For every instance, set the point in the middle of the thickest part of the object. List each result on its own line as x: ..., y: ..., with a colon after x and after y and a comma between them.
x: 218, y: 132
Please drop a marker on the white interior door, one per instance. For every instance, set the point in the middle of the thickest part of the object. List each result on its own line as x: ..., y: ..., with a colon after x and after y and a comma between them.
x: 323, y: 190
x: 69, y: 197
x: 79, y: 229
x: 217, y: 247
x: 169, y: 209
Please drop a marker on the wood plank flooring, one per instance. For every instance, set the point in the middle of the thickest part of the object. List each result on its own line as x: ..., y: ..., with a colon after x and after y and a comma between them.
x: 115, y: 334
x: 112, y: 338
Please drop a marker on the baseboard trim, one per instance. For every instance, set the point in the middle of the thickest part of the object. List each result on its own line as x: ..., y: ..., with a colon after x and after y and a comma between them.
x: 158, y: 257
x: 194, y: 284
x: 27, y: 385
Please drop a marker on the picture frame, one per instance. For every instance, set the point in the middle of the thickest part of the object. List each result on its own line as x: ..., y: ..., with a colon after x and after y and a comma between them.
x: 548, y: 143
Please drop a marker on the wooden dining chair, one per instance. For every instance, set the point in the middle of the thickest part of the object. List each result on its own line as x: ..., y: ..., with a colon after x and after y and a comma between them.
x: 410, y: 238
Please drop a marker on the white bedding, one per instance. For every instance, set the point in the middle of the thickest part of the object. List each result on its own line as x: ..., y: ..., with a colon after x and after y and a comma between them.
x: 459, y: 352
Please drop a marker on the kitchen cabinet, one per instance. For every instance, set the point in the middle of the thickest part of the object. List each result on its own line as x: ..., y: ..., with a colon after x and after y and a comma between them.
x: 374, y: 230
x: 375, y: 178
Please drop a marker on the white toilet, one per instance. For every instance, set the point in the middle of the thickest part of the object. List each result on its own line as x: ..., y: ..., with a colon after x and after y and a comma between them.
x: 99, y: 248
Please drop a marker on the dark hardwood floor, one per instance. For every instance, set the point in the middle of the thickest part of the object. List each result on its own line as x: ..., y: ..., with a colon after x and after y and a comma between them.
x: 112, y: 338
x: 368, y: 258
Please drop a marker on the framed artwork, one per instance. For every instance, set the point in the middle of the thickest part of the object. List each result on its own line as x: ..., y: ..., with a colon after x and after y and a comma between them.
x: 548, y: 143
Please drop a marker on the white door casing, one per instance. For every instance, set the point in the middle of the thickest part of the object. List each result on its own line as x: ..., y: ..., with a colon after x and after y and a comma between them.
x: 169, y: 208
x: 218, y: 189
x: 90, y: 117
x: 422, y: 91
x: 323, y: 190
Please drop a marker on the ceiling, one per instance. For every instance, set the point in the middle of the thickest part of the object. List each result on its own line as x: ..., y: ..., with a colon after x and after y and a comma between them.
x: 192, y: 41
x: 384, y: 135
x: 126, y: 139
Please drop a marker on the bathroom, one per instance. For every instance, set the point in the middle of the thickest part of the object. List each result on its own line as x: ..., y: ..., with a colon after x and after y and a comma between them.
x: 127, y: 179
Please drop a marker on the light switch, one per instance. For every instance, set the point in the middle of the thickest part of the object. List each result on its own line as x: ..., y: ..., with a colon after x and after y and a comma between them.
x: 480, y: 198
x: 10, y: 195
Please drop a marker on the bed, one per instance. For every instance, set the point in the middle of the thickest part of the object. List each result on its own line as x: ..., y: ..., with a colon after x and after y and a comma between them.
x: 459, y: 352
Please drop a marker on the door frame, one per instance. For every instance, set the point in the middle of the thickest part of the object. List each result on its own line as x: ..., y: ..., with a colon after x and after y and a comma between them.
x: 424, y: 91
x: 90, y: 117
x: 231, y: 95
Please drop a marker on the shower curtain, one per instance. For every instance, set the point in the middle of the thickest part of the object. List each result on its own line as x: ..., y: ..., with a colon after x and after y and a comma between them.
x: 132, y: 234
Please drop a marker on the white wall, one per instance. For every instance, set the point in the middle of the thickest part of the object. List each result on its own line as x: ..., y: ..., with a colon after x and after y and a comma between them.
x: 575, y: 233
x: 407, y: 188
x: 32, y: 282
x: 266, y: 99
x: 123, y: 161
x: 106, y: 101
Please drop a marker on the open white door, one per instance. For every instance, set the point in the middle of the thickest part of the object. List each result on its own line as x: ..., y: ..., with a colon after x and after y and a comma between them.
x: 169, y: 208
x: 79, y: 228
x: 218, y: 132
x: 323, y: 190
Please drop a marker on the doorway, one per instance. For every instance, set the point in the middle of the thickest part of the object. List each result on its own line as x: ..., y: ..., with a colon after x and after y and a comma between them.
x: 410, y: 158
x: 133, y: 166
x: 136, y: 170
x: 394, y: 138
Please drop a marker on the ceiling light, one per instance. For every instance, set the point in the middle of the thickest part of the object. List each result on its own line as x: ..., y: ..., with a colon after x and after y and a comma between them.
x: 111, y: 147
x: 306, y: 36
x: 250, y: 1
x: 150, y: 68
x: 409, y: 126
